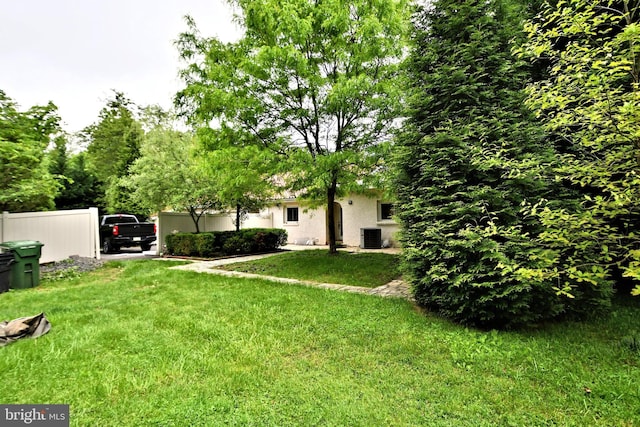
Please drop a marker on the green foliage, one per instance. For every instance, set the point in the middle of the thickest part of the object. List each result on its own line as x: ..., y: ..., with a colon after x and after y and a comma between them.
x: 316, y: 83
x: 590, y: 102
x: 181, y: 243
x: 170, y: 173
x: 79, y: 187
x: 243, y: 175
x: 197, y: 244
x: 220, y: 243
x: 61, y: 274
x: 113, y: 146
x: 470, y: 156
x: 25, y: 181
x: 119, y: 197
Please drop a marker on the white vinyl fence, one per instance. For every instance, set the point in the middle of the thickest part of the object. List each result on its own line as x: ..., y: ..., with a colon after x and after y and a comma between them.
x: 174, y: 222
x: 63, y: 233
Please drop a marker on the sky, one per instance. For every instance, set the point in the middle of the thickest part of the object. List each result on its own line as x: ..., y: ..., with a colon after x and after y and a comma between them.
x: 74, y: 52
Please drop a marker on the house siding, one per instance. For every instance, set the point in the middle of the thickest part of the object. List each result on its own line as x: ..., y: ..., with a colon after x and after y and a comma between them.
x: 362, y: 212
x: 311, y: 223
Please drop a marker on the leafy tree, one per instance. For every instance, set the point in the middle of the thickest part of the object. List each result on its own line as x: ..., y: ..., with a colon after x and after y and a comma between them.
x: 470, y: 155
x: 314, y: 82
x: 81, y: 189
x: 58, y: 156
x: 78, y: 187
x: 114, y: 144
x: 241, y: 174
x: 590, y: 102
x: 169, y: 175
x: 25, y: 182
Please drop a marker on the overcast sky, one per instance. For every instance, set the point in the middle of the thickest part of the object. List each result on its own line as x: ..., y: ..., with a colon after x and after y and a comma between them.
x: 73, y: 52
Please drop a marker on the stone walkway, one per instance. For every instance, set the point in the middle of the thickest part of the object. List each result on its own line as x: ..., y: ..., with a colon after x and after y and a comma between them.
x: 393, y: 289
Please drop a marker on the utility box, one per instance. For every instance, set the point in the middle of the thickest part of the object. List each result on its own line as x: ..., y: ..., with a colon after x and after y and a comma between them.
x: 5, y: 271
x: 370, y: 238
x: 25, y: 271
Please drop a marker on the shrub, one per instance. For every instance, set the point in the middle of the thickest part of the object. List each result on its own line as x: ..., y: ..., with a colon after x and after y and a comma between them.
x: 220, y: 243
x: 205, y: 244
x: 181, y: 243
x: 470, y: 157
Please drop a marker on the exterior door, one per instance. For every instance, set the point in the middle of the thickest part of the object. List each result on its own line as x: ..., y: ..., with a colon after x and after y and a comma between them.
x: 337, y: 212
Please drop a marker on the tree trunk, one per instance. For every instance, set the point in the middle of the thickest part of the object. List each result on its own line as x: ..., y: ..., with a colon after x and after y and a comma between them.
x: 195, y: 218
x: 238, y: 217
x: 331, y: 217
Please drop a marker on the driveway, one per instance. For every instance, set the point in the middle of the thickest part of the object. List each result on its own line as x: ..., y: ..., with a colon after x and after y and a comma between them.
x: 129, y: 253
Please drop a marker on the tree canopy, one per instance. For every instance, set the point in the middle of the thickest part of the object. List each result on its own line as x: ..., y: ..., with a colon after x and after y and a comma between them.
x: 169, y: 174
x: 590, y: 104
x: 113, y: 145
x: 242, y: 175
x: 78, y: 187
x: 313, y: 82
x: 25, y: 182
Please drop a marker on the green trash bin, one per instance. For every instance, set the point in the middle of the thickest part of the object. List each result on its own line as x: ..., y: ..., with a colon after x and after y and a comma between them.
x: 25, y: 271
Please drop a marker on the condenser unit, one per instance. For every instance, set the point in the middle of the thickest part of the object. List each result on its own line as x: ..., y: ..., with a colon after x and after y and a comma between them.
x: 370, y: 238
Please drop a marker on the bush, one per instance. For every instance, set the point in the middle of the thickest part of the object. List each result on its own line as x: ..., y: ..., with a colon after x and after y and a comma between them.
x: 221, y: 243
x: 470, y: 158
x: 181, y: 243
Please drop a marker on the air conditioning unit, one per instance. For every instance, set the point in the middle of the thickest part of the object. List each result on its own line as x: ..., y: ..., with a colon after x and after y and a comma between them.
x: 370, y: 238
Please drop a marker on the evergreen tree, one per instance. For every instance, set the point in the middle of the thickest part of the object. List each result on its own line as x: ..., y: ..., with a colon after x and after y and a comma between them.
x: 470, y: 157
x: 114, y: 144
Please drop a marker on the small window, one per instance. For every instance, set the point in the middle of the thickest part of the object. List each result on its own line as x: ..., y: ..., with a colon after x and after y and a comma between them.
x: 292, y: 214
x: 386, y: 211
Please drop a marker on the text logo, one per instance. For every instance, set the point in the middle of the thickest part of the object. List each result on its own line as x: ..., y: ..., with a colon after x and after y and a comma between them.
x: 34, y: 415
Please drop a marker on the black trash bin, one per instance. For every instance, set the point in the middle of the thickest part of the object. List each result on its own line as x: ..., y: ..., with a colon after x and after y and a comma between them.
x: 6, y: 259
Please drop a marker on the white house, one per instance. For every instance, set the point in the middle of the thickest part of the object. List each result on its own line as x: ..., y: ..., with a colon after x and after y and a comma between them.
x: 360, y: 220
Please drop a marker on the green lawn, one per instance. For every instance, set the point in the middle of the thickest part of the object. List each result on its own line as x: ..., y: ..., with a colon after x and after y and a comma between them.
x: 366, y: 269
x: 138, y: 344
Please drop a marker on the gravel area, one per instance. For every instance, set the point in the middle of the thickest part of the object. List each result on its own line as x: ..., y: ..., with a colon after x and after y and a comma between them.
x: 74, y: 263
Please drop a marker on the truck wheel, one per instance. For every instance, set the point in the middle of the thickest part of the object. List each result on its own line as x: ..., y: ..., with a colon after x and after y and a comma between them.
x: 106, y: 246
x: 145, y: 247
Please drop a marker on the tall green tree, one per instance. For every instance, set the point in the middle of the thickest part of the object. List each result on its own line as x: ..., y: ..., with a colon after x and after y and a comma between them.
x: 470, y: 155
x: 25, y: 182
x: 58, y: 156
x: 590, y: 102
x: 81, y: 189
x: 170, y: 175
x: 242, y: 176
x: 78, y: 187
x: 314, y: 82
x: 113, y: 146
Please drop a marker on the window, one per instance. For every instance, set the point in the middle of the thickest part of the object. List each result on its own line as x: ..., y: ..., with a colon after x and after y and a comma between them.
x: 386, y: 211
x: 292, y: 214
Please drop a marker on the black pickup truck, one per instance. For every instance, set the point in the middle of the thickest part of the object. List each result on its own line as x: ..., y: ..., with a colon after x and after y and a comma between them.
x: 120, y: 230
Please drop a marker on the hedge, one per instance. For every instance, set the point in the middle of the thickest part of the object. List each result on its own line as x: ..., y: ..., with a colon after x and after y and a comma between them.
x: 224, y: 243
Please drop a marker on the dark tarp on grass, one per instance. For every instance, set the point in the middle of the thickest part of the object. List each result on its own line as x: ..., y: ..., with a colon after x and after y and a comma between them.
x: 33, y: 327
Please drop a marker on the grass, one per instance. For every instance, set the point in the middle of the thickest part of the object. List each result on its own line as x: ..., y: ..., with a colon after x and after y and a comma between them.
x: 138, y: 344
x: 366, y: 269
